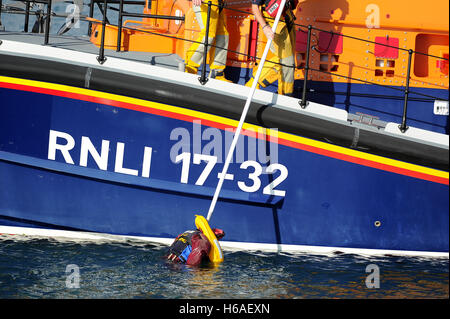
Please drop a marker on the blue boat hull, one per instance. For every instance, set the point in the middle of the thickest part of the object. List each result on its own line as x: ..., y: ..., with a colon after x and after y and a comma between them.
x: 140, y: 191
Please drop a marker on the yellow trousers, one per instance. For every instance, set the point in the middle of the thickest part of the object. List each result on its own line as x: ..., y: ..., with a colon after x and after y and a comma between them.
x: 280, y: 60
x: 218, y: 36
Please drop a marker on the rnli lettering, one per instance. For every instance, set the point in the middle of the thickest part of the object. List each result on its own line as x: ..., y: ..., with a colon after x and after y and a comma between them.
x: 250, y: 177
x: 64, y: 143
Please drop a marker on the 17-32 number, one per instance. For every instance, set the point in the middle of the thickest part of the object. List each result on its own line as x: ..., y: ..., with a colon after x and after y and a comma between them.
x: 254, y: 176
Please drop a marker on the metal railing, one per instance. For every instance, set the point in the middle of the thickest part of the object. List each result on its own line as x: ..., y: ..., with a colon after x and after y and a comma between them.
x: 203, y: 79
x: 403, y: 127
x: 303, y: 101
x: 137, y: 15
x: 27, y: 16
x: 101, y: 55
x: 98, y: 2
x: 1, y: 6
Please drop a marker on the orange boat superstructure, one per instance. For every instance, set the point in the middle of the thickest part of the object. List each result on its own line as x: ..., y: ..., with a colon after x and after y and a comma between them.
x: 404, y: 24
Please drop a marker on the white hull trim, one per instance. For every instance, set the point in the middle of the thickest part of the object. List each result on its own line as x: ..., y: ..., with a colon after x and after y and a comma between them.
x: 8, y: 232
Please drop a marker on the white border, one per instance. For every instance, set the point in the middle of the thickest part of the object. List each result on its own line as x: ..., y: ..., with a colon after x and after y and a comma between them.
x: 64, y: 235
x: 418, y: 134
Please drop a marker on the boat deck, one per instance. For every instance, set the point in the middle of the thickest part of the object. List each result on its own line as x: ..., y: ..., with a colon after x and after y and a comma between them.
x: 82, y: 44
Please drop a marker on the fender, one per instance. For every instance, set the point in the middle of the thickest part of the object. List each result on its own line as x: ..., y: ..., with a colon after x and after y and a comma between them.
x: 215, y: 254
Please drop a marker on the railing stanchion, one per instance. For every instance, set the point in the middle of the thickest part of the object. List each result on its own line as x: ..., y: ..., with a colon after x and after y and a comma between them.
x: 27, y: 16
x: 91, y: 15
x: 203, y: 79
x: 1, y: 26
x: 403, y: 126
x: 47, y: 22
x: 119, y: 24
x: 303, y: 103
x: 101, y: 56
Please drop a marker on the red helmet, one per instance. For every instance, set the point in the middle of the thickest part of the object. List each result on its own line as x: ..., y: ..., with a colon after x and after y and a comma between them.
x: 218, y: 232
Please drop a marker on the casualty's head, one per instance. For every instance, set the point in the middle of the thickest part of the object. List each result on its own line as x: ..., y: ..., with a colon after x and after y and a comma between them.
x: 219, y: 233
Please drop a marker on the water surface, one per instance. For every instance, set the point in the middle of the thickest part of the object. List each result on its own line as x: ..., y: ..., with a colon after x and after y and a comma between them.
x: 45, y: 268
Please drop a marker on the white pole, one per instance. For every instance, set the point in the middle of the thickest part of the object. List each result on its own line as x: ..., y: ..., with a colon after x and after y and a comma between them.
x: 244, y: 113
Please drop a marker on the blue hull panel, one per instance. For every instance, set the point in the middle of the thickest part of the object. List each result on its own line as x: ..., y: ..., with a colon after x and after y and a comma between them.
x: 327, y: 202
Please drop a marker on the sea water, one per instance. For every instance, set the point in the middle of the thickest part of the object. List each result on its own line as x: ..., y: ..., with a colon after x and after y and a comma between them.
x: 49, y: 268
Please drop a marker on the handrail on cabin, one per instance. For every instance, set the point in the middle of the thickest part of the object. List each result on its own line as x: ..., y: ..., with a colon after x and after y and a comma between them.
x: 101, y: 56
x: 302, y: 102
x: 27, y: 16
x: 1, y: 26
x: 203, y: 79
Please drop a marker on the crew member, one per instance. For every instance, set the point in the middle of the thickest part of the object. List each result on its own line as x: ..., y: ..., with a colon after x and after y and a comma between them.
x: 192, y: 247
x: 281, y: 51
x: 217, y: 36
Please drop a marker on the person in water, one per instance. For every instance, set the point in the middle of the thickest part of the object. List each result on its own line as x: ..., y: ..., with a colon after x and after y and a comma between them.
x: 192, y: 247
x: 217, y: 36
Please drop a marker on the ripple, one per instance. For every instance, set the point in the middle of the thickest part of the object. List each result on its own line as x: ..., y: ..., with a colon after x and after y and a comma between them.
x: 36, y: 268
